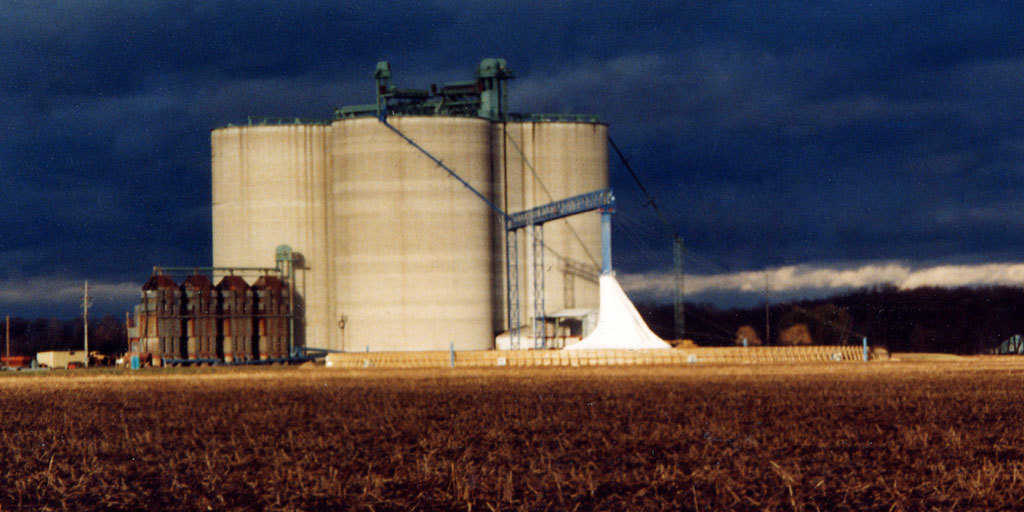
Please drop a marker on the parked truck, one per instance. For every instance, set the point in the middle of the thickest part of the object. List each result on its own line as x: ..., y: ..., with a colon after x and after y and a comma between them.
x: 55, y: 359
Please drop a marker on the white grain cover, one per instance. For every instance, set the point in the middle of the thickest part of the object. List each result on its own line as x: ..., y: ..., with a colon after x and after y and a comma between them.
x: 619, y: 325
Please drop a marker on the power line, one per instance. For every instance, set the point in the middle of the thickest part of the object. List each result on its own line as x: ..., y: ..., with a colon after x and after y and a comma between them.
x: 647, y: 195
x: 679, y: 252
x: 677, y: 241
x: 634, y: 231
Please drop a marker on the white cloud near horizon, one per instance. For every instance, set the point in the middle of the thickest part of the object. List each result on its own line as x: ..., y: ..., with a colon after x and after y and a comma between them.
x: 43, y: 291
x: 818, y: 278
x: 786, y: 280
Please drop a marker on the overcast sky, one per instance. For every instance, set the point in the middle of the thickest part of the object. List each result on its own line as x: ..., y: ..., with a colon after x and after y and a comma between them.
x: 823, y: 139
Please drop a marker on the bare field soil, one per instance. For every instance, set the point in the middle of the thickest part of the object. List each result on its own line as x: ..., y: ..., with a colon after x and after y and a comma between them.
x: 844, y: 436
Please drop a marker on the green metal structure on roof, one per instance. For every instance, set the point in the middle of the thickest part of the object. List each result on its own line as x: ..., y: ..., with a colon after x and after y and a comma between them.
x: 485, y: 97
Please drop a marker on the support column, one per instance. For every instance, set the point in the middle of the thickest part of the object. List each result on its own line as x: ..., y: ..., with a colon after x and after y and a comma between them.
x: 512, y: 286
x: 606, y: 241
x: 539, y: 339
x: 680, y: 305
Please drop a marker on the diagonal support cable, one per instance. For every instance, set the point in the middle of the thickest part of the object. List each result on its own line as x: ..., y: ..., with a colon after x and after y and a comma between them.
x: 501, y: 213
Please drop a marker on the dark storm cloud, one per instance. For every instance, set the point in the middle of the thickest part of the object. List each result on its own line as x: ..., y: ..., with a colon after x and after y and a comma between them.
x: 772, y: 133
x: 812, y: 147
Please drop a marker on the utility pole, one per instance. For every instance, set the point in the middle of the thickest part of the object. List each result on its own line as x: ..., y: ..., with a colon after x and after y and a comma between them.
x: 680, y: 289
x: 7, y: 351
x: 767, y: 307
x: 85, y: 321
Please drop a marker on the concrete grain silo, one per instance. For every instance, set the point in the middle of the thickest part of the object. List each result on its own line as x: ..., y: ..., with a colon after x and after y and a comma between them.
x: 397, y: 254
x: 412, y: 262
x: 270, y: 189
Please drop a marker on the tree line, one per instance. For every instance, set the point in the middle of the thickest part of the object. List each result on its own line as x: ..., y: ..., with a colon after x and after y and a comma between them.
x: 958, y: 320
x: 27, y: 337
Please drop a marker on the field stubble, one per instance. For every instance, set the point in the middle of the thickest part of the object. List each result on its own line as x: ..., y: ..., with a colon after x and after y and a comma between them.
x: 878, y: 436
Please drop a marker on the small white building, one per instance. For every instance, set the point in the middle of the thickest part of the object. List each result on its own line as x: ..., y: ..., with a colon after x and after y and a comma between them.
x: 562, y: 328
x: 60, y: 358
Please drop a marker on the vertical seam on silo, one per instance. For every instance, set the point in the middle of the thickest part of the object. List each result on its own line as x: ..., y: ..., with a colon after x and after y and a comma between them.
x: 291, y: 179
x: 521, y: 248
x: 325, y: 246
x: 309, y: 131
x: 504, y: 235
x: 400, y: 172
x: 327, y: 181
x: 307, y: 216
x: 242, y: 184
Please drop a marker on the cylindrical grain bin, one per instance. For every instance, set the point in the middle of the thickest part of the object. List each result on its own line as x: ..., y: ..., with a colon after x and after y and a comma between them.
x: 412, y: 265
x: 538, y: 162
x: 270, y: 188
x: 200, y: 317
x: 236, y: 315
x: 161, y: 298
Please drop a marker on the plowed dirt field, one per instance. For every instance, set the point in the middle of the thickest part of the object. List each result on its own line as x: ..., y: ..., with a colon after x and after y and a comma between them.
x: 842, y: 436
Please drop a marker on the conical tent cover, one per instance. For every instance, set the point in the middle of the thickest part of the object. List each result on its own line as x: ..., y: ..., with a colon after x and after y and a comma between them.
x: 619, y: 325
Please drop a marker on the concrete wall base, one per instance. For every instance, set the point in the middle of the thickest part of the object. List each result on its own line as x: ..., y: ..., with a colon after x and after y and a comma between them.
x: 682, y: 356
